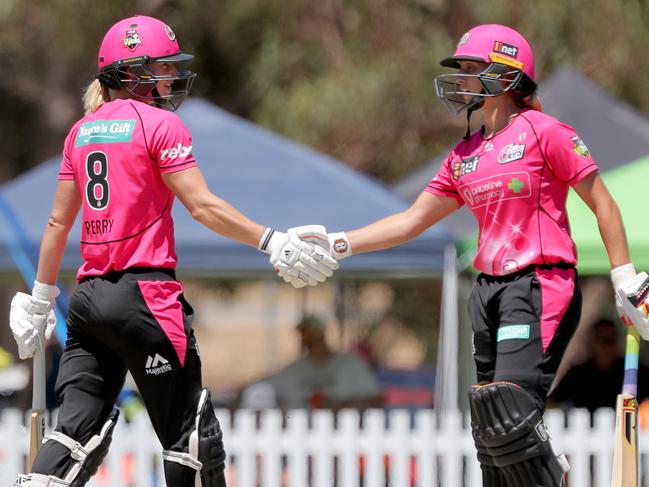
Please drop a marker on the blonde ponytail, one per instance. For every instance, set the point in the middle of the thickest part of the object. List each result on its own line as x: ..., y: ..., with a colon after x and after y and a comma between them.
x: 95, y: 95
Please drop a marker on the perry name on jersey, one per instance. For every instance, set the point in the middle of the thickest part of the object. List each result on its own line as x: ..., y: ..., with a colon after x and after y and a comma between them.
x: 117, y: 156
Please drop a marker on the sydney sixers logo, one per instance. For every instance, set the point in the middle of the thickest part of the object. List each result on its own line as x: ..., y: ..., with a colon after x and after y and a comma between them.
x: 132, y: 39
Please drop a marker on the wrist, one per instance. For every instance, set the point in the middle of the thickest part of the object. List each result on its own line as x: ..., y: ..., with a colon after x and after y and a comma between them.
x: 339, y: 245
x: 45, y: 292
x: 622, y: 274
x: 264, y: 244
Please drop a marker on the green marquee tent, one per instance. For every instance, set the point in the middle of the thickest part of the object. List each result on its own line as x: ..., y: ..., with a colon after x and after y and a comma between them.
x: 628, y: 185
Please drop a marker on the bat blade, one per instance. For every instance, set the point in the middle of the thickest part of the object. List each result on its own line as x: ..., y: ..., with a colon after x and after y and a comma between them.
x: 625, y: 449
x: 625, y: 446
x: 37, y: 431
x: 37, y: 423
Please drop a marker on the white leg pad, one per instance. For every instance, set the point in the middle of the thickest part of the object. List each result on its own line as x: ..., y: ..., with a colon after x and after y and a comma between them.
x: 38, y: 480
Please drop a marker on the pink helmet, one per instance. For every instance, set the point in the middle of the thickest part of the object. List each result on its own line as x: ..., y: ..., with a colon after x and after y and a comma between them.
x: 140, y: 36
x: 509, y: 67
x: 132, y: 44
x: 494, y: 43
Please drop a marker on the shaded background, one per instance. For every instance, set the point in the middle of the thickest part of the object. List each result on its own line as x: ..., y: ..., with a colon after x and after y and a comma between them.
x: 351, y: 78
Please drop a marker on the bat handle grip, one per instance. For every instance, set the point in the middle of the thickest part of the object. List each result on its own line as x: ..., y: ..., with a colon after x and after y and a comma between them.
x: 38, y: 386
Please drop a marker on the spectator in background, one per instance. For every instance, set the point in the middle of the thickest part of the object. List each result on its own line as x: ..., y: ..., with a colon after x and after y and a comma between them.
x: 323, y: 378
x: 596, y: 382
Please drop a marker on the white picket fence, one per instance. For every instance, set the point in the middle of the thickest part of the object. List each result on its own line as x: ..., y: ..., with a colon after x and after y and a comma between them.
x: 296, y: 449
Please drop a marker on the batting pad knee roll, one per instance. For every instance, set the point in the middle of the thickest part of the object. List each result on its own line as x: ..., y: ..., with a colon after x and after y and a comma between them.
x: 509, y: 433
x: 205, y: 452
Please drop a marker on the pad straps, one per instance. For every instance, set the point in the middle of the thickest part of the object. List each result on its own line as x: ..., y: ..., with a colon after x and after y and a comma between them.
x: 39, y: 480
x: 185, y: 459
x: 77, y: 450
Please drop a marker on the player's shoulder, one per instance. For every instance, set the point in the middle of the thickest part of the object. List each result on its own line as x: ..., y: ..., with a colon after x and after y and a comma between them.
x: 74, y: 130
x: 150, y: 113
x: 543, y: 122
x: 465, y: 146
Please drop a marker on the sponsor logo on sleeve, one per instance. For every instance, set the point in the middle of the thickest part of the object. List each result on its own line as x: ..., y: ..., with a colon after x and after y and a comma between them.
x: 511, y: 153
x: 177, y: 152
x: 465, y: 166
x: 580, y: 147
x: 496, y: 188
x: 105, y: 132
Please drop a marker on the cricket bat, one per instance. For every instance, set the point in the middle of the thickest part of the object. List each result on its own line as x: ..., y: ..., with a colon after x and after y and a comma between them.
x: 625, y: 448
x: 37, y: 424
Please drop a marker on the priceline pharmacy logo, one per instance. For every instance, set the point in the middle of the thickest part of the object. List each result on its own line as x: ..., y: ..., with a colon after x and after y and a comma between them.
x: 507, y: 186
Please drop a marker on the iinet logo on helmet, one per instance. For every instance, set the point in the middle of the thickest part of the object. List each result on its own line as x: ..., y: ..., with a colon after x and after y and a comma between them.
x: 506, y: 49
x: 179, y: 151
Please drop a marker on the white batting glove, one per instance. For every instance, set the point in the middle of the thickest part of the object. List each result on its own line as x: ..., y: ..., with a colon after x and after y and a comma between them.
x: 336, y: 244
x: 32, y: 319
x: 632, y: 297
x: 298, y: 263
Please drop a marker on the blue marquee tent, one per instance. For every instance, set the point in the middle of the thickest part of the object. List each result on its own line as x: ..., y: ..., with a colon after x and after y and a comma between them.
x: 270, y: 179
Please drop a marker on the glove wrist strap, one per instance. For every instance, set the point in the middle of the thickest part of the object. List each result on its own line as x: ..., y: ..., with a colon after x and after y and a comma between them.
x: 340, y: 247
x: 622, y: 273
x: 265, y: 239
x: 45, y: 292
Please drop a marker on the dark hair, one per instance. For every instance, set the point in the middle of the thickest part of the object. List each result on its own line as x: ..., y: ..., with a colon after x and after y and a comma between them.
x: 525, y: 94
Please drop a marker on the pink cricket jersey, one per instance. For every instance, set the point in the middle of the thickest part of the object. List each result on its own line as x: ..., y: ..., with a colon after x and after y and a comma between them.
x: 116, y: 156
x: 516, y: 184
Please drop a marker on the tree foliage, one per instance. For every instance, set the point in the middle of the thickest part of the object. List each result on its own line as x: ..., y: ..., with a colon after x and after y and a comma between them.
x: 352, y: 78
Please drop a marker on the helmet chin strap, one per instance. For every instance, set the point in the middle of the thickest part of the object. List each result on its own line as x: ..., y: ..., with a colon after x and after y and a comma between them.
x: 476, y: 105
x: 156, y: 97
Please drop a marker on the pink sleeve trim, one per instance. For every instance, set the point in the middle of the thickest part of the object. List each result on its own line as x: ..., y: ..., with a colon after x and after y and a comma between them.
x: 583, y: 174
x: 445, y: 193
x: 178, y: 167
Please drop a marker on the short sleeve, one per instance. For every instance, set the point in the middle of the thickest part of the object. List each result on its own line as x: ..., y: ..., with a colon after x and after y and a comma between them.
x: 565, y: 152
x: 171, y: 145
x: 443, y: 183
x: 66, y: 171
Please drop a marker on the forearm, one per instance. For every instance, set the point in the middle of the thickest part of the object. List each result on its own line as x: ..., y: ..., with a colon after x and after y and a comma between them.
x: 611, y: 229
x: 51, y: 252
x: 221, y: 217
x: 401, y: 227
x: 385, y: 233
x: 65, y: 207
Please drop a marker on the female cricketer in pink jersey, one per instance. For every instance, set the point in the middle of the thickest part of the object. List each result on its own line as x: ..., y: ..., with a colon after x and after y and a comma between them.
x: 123, y: 163
x: 514, y: 175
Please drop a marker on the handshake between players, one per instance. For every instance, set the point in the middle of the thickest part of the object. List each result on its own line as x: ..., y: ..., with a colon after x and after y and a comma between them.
x: 306, y: 255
